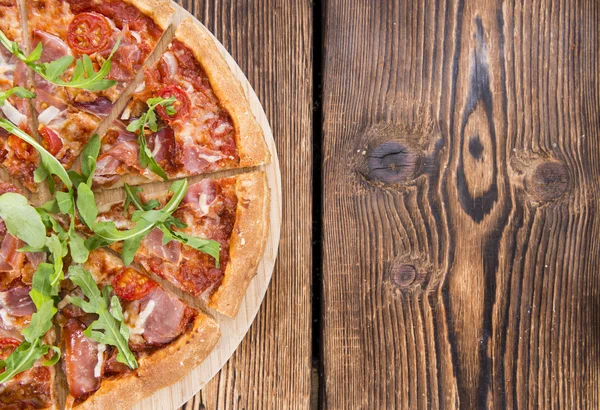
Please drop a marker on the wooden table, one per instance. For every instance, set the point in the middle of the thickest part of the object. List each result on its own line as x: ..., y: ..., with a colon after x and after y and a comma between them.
x: 447, y: 152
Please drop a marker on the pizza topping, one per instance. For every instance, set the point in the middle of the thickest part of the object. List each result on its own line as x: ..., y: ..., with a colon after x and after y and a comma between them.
x: 17, y: 302
x: 98, y: 368
x: 129, y: 284
x: 48, y: 115
x: 53, y: 47
x: 9, y: 254
x: 167, y: 321
x: 181, y: 105
x: 13, y: 114
x: 123, y: 153
x: 125, y: 62
x: 171, y: 252
x: 202, y: 194
x: 198, y: 159
x: 46, y: 96
x: 89, y: 33
x: 101, y: 106
x: 50, y: 139
x: 80, y: 360
x: 162, y: 144
x: 140, y: 322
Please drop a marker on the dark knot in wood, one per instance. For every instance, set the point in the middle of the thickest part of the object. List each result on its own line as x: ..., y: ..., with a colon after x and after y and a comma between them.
x: 403, y: 276
x: 548, y: 181
x: 393, y: 162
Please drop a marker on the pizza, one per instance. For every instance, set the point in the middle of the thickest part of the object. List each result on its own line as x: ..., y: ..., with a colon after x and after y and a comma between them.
x: 212, y: 129
x: 102, y: 303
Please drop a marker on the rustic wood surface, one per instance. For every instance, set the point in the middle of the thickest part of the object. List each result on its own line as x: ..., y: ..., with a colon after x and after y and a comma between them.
x: 459, y: 167
x: 461, y: 176
x: 272, y: 367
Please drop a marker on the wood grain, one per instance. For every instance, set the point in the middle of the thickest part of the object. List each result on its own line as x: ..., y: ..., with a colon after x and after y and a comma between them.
x: 270, y: 40
x: 460, y: 239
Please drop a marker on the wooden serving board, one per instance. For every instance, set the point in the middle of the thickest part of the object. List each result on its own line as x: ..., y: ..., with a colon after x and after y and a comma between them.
x: 232, y: 330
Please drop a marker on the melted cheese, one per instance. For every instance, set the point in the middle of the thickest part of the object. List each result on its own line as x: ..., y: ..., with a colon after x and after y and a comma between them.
x: 98, y: 368
x: 202, y: 203
x: 138, y: 329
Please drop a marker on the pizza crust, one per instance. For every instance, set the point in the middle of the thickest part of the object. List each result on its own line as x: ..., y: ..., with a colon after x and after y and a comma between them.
x: 161, y: 11
x: 247, y: 242
x: 162, y: 368
x: 250, y: 140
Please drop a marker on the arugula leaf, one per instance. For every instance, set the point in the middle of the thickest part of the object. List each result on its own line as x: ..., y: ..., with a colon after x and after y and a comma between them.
x: 79, y: 253
x: 22, y: 220
x: 88, y: 158
x: 18, y: 91
x: 84, y: 76
x: 24, y: 357
x: 41, y: 321
x: 86, y: 205
x: 148, y: 119
x: 49, y: 165
x: 109, y: 328
x: 134, y: 198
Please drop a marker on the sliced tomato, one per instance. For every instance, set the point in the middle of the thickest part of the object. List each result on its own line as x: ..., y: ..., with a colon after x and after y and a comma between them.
x: 88, y: 33
x: 21, y: 149
x: 50, y: 140
x: 182, y: 105
x: 129, y: 284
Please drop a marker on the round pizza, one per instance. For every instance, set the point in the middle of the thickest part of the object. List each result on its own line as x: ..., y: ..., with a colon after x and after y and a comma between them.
x: 104, y: 303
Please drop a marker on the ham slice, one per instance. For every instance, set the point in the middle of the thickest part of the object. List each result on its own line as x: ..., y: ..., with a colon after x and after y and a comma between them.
x: 171, y: 252
x: 199, y: 159
x: 167, y: 320
x: 80, y: 360
x: 35, y: 258
x: 124, y: 152
x: 162, y: 144
x: 201, y: 195
x: 125, y: 61
x: 17, y: 302
x: 53, y: 47
x: 100, y: 107
x: 9, y: 255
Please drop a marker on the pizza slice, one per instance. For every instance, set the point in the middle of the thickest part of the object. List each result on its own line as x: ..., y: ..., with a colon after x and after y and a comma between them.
x: 126, y: 31
x: 35, y: 387
x: 19, y: 159
x: 210, y: 127
x: 167, y: 338
x: 232, y: 211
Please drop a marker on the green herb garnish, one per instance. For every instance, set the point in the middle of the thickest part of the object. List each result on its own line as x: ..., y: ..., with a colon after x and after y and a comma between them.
x: 109, y: 328
x: 148, y: 119
x: 84, y: 76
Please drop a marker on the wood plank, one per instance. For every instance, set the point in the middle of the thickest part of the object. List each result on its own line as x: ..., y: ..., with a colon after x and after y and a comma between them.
x: 270, y: 40
x: 460, y: 166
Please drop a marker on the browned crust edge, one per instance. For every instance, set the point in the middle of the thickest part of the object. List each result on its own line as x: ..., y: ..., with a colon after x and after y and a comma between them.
x: 161, y: 11
x: 251, y: 144
x: 161, y: 369
x: 247, y: 243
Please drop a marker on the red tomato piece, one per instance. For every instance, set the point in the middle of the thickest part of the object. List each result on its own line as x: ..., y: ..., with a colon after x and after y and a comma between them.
x: 21, y: 149
x: 182, y: 105
x: 88, y: 33
x: 50, y: 140
x: 129, y: 284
